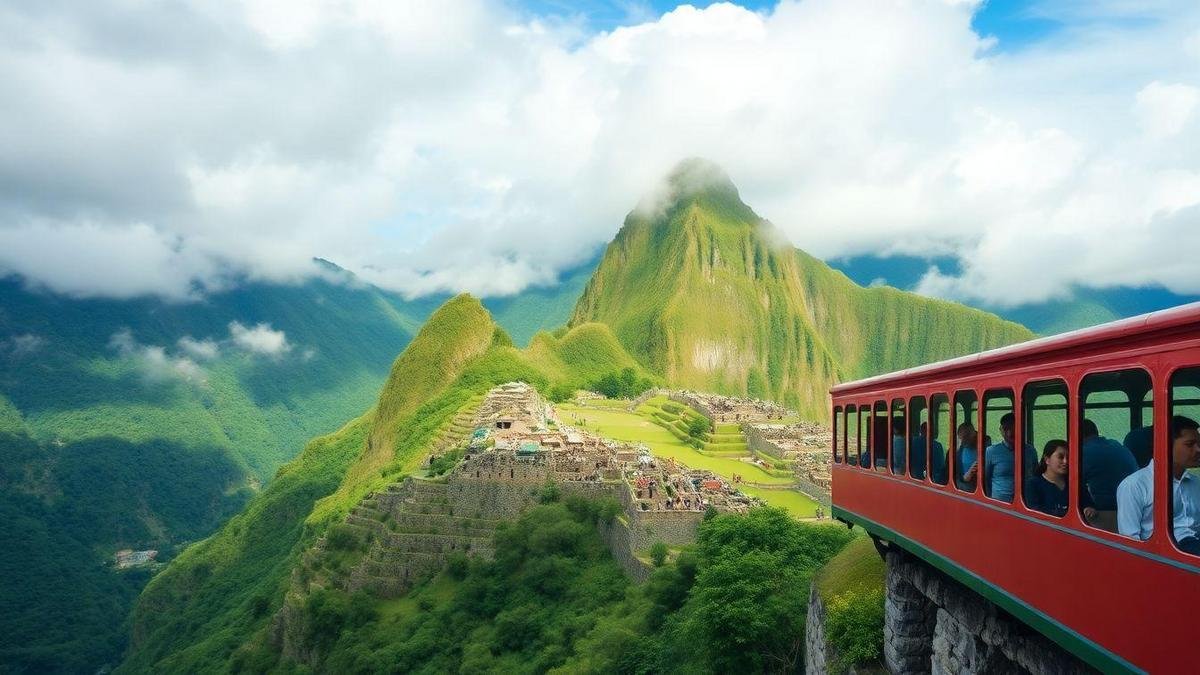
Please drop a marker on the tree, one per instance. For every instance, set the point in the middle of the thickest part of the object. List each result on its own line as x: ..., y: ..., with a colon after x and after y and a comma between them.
x: 658, y: 553
x: 698, y: 426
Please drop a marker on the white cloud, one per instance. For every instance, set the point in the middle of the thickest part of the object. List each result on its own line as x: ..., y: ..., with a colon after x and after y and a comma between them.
x: 432, y: 146
x: 154, y: 362
x: 1164, y: 110
x: 205, y: 350
x: 260, y: 339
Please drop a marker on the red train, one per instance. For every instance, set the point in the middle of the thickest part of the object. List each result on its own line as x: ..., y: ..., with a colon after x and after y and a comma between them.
x: 1119, y: 603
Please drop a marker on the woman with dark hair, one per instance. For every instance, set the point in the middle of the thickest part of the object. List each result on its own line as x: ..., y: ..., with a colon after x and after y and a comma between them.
x: 1046, y: 490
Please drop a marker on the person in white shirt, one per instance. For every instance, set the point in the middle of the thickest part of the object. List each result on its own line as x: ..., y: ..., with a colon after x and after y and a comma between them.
x: 1135, y: 494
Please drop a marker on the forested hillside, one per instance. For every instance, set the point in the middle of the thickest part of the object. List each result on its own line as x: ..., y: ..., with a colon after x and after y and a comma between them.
x: 218, y: 596
x: 144, y: 424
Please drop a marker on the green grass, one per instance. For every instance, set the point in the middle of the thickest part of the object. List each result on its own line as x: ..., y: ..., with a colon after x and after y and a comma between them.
x: 630, y: 427
x: 797, y: 503
x: 856, y: 567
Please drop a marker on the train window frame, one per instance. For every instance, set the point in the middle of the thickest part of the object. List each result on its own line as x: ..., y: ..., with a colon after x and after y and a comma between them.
x: 1019, y: 455
x: 850, y: 411
x: 864, y: 435
x: 903, y: 410
x: 1031, y: 391
x: 878, y: 411
x: 917, y: 402
x: 977, y: 422
x: 1168, y: 477
x: 948, y: 457
x: 1105, y: 520
x: 833, y: 436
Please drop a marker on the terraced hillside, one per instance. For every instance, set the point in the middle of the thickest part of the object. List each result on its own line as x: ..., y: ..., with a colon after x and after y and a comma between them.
x: 188, y: 619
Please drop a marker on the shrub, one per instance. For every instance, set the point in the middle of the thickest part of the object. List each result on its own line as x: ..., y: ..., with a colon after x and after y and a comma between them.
x: 549, y: 493
x: 854, y: 621
x: 658, y: 553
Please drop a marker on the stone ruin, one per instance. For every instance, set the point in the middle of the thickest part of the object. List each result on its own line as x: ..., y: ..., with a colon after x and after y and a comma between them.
x: 806, y: 446
x: 726, y: 409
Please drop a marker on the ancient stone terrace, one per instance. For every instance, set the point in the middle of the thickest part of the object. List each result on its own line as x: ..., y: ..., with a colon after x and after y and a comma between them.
x: 730, y: 408
x: 805, y: 446
x: 667, y: 485
x: 515, y: 406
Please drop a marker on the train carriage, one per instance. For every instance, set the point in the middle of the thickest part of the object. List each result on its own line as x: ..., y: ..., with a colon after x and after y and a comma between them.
x: 1117, y: 602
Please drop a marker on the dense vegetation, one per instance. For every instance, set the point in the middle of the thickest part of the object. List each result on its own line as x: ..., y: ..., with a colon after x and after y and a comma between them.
x: 553, y: 600
x: 205, y: 606
x: 705, y: 295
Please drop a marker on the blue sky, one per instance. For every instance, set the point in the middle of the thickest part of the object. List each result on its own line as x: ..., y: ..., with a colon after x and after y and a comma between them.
x: 1014, y: 23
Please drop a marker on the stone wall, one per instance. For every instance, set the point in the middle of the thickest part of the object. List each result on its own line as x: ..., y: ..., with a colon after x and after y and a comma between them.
x: 934, y: 624
x: 620, y: 543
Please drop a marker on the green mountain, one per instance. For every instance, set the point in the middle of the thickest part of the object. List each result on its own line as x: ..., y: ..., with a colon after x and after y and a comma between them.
x: 145, y: 424
x: 703, y: 291
x: 214, y: 602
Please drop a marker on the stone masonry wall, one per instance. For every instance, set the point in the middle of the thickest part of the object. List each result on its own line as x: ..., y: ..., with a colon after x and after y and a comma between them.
x: 934, y: 624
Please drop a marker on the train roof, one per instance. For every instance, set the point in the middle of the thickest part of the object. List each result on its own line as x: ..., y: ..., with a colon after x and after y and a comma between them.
x: 1136, y: 326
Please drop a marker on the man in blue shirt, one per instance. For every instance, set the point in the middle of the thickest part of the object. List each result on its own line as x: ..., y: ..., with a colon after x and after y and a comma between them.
x: 999, y: 462
x: 1135, y: 495
x: 966, y: 458
x: 1105, y: 464
x: 916, y: 452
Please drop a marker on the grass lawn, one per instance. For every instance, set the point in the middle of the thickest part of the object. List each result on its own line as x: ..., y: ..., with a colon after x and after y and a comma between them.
x: 626, y: 426
x: 797, y: 503
x: 857, y: 567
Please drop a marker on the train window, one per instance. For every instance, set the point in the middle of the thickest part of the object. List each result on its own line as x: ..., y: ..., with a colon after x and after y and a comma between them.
x: 1185, y: 461
x: 838, y: 448
x: 942, y: 432
x: 1111, y: 405
x: 864, y: 436
x: 880, y: 436
x: 899, y: 442
x: 850, y: 429
x: 918, y: 437
x: 1044, y: 421
x: 966, y: 441
x: 1000, y: 456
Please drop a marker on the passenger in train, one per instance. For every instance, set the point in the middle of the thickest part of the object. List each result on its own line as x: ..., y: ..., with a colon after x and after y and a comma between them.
x: 1105, y: 464
x: 966, y: 457
x: 1140, y: 442
x: 999, y: 461
x: 916, y: 451
x: 898, y: 453
x: 938, y: 470
x: 1046, y: 489
x: 1135, y: 495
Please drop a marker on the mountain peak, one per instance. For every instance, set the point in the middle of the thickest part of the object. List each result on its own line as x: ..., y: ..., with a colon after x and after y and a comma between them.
x: 697, y: 176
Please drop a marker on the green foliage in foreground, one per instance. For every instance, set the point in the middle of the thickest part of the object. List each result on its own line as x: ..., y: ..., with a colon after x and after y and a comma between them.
x: 553, y: 600
x: 852, y: 588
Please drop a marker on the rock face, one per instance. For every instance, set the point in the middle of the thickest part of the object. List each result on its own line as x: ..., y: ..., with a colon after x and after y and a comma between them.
x: 934, y: 624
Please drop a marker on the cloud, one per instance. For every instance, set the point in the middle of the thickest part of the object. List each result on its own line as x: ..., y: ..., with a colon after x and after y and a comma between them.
x: 177, y: 148
x: 155, y: 364
x: 260, y: 339
x: 1164, y: 110
x: 205, y: 350
x: 23, y: 345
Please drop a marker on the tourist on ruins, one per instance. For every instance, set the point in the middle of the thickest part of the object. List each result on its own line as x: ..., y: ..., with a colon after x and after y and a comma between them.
x: 1135, y: 494
x: 1105, y: 463
x: 999, y: 461
x: 1046, y: 490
